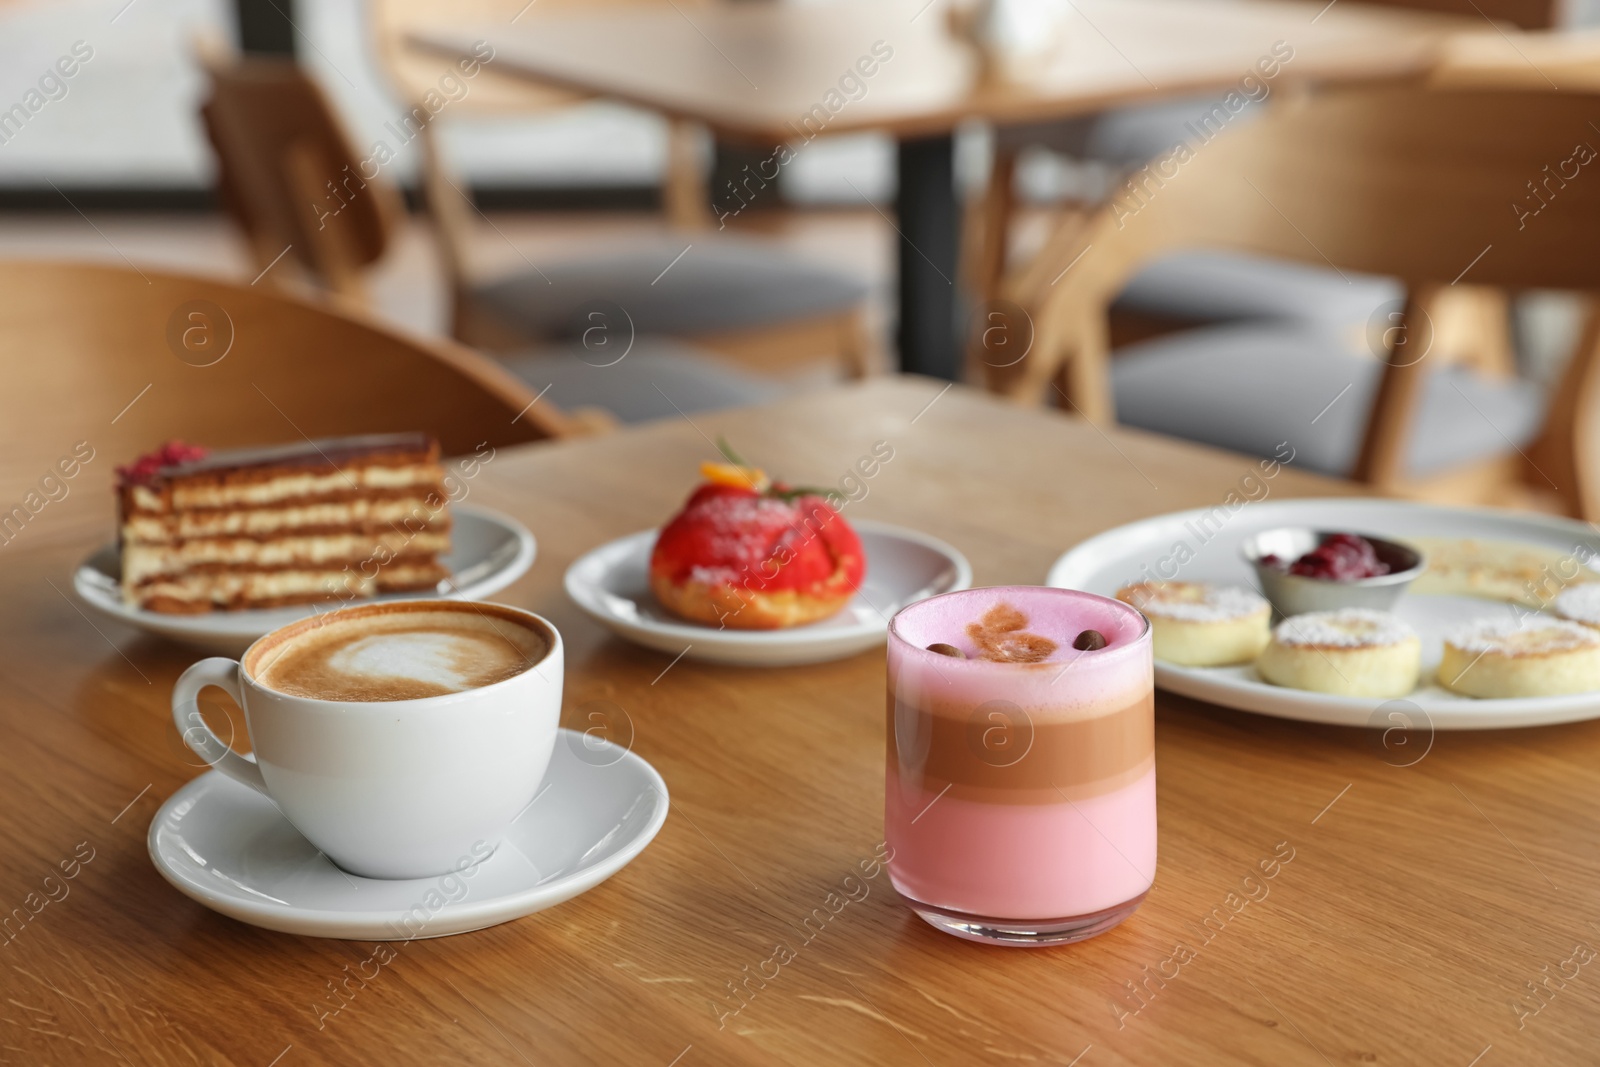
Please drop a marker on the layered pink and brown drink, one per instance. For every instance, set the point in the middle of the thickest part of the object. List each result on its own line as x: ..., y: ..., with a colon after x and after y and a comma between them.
x: 1020, y: 790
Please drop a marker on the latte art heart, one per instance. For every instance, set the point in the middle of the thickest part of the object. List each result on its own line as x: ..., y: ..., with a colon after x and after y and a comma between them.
x: 399, y: 655
x: 431, y: 658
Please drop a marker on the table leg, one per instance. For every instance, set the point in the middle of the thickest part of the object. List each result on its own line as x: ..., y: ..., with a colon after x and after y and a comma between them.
x: 930, y: 227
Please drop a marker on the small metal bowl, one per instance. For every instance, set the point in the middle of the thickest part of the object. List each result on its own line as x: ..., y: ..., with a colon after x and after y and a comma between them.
x: 1293, y: 594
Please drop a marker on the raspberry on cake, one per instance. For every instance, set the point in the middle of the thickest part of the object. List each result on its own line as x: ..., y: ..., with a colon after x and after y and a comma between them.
x: 258, y: 528
x: 750, y: 554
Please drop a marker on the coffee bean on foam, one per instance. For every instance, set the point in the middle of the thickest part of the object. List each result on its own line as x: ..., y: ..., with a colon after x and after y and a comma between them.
x: 1089, y: 640
x: 397, y: 654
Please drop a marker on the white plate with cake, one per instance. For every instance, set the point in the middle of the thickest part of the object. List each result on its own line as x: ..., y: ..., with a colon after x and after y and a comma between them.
x: 1498, y: 629
x: 612, y: 584
x: 753, y: 572
x: 216, y: 549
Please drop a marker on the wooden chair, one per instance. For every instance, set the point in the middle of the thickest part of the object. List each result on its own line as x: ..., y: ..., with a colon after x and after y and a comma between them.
x: 1476, y: 320
x: 126, y: 359
x: 300, y: 189
x: 1420, y: 184
x: 414, y: 72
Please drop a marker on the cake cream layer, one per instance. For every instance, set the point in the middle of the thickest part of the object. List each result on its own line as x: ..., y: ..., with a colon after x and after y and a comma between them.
x: 141, y: 563
x: 411, y: 512
x: 259, y: 488
x: 200, y: 592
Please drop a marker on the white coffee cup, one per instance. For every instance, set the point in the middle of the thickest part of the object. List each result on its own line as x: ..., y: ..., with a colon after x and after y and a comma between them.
x: 395, y: 788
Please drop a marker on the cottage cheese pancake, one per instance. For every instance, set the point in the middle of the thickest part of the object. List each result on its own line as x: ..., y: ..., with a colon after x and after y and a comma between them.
x: 1354, y: 652
x: 1531, y: 656
x: 1200, y: 625
x: 398, y: 654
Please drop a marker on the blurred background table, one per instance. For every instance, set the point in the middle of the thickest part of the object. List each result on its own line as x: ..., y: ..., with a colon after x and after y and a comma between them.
x: 754, y: 73
x: 1412, y: 906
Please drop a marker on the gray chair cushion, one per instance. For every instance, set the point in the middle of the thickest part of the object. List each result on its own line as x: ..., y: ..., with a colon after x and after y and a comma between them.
x: 1216, y: 286
x: 1207, y: 286
x: 1250, y: 388
x: 720, y: 284
x: 658, y: 378
x: 1129, y: 136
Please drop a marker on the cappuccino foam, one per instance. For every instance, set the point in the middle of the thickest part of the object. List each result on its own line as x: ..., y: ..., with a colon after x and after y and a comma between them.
x: 398, y: 653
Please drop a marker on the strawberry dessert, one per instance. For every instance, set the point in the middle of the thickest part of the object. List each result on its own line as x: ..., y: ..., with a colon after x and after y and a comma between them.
x: 747, y: 553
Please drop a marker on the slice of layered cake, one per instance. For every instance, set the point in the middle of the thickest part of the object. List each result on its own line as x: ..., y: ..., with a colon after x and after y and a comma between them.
x: 335, y: 519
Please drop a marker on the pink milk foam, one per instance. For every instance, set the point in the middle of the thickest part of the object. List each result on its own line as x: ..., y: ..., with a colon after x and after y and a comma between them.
x: 1021, y: 791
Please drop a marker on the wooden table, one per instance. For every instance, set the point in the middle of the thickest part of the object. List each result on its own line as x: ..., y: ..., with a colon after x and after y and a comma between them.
x: 1417, y: 903
x: 763, y: 73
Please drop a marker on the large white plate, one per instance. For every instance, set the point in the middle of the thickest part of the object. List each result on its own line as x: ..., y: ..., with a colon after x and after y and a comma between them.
x: 612, y: 584
x: 1105, y: 563
x: 488, y: 551
x: 229, y: 848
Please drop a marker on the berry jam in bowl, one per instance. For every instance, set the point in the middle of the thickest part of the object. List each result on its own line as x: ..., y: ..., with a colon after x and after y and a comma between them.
x: 1303, y: 570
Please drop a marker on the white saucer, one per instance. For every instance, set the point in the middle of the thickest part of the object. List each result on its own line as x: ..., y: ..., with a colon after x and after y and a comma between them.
x: 1105, y: 563
x: 612, y: 584
x: 227, y: 846
x: 488, y: 551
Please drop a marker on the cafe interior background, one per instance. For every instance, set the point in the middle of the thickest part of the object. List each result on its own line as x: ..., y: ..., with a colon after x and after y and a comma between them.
x: 1217, y: 274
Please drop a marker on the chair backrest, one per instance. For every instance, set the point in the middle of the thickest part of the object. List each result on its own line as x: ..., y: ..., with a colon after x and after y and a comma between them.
x: 126, y: 360
x: 290, y: 175
x: 417, y: 74
x: 1493, y: 187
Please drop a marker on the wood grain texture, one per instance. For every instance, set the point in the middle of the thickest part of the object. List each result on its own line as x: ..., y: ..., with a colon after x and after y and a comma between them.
x: 754, y: 71
x: 1418, y: 900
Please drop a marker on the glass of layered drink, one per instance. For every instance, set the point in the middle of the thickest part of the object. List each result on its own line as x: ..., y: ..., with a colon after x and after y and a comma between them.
x: 1020, y: 799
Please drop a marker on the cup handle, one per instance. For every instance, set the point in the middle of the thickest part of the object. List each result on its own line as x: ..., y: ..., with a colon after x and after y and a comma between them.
x: 224, y: 674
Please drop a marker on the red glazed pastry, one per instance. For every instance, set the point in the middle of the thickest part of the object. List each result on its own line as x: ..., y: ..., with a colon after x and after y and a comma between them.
x: 749, y: 555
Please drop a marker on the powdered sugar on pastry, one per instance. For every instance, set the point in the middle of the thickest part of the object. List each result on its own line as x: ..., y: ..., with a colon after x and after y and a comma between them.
x: 1347, y: 628
x: 1193, y: 601
x: 1200, y: 625
x: 1356, y: 652
x: 1534, y: 656
x: 1535, y: 636
x: 1580, y: 603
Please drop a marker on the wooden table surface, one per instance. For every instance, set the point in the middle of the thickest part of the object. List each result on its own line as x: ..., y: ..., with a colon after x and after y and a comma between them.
x: 1408, y: 910
x: 754, y: 70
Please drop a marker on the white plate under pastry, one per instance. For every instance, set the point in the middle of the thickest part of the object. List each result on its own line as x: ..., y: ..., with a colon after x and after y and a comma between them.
x: 488, y: 551
x: 612, y: 584
x: 228, y: 847
x: 1135, y: 552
